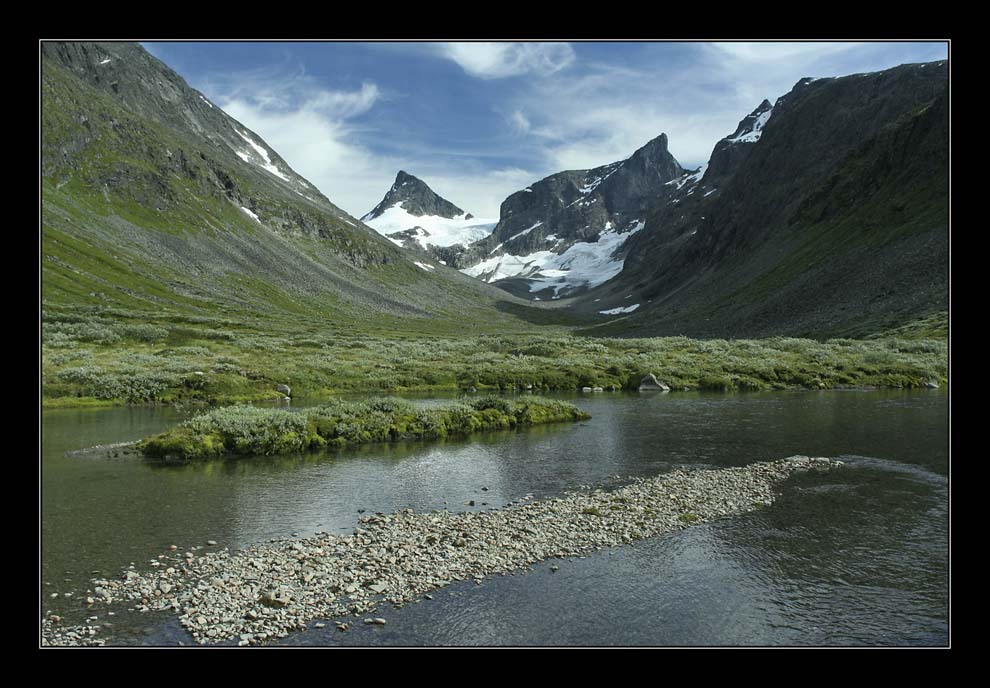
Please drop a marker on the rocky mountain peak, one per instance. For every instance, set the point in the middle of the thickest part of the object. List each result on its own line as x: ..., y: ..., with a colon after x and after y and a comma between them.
x: 751, y: 126
x: 416, y: 197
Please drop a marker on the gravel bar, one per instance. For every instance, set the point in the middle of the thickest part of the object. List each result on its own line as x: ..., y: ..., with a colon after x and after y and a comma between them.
x: 268, y: 591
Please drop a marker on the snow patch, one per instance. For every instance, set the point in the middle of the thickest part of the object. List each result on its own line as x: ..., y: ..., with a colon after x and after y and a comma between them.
x: 525, y: 231
x: 252, y: 215
x: 754, y: 134
x: 426, y: 266
x: 617, y: 311
x: 584, y: 264
x: 263, y: 152
x: 206, y: 101
x: 442, y: 231
x: 103, y: 62
x: 692, y: 178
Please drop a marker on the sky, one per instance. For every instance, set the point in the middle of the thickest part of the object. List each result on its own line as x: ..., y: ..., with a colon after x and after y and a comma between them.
x: 479, y: 121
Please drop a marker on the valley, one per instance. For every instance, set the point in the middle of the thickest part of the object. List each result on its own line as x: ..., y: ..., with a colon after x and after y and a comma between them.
x: 692, y: 324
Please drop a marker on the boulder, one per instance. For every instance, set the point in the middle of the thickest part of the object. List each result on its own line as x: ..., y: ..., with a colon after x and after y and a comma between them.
x: 284, y: 389
x: 650, y: 383
x: 932, y: 384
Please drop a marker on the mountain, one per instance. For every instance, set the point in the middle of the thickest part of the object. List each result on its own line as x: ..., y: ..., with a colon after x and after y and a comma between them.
x: 155, y: 201
x: 566, y: 232
x: 413, y: 216
x: 823, y: 214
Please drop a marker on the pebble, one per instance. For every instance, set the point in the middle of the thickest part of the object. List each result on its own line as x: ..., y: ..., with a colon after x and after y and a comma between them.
x: 404, y: 556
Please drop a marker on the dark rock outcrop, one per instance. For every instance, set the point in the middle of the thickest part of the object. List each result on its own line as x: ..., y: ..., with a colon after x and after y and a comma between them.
x: 416, y: 198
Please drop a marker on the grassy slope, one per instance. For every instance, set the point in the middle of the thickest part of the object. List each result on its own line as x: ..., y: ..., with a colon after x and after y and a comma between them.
x: 144, y: 217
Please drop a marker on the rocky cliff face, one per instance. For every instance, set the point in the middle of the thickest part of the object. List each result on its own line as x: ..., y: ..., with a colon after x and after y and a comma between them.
x: 565, y: 232
x: 823, y: 213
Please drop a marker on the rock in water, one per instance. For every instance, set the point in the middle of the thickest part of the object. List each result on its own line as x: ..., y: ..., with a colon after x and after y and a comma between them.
x: 650, y: 383
x: 284, y: 389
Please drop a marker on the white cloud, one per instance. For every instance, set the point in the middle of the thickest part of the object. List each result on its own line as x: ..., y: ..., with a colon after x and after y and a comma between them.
x: 498, y: 60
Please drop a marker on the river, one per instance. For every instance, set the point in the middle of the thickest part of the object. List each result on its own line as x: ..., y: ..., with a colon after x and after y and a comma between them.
x: 857, y: 556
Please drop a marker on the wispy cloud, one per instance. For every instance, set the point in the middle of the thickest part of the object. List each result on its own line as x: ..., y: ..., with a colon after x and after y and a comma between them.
x: 519, y: 122
x: 322, y: 135
x: 499, y: 60
x: 764, y: 52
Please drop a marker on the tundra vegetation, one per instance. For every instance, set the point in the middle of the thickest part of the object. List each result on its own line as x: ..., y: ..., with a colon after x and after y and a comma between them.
x: 106, y: 356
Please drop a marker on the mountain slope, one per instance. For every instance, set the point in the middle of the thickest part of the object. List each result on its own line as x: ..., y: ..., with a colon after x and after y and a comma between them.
x: 413, y: 216
x: 565, y: 233
x: 156, y: 201
x: 833, y: 220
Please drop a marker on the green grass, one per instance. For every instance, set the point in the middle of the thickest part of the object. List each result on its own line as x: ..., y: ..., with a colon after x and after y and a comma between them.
x: 245, y: 430
x: 116, y: 356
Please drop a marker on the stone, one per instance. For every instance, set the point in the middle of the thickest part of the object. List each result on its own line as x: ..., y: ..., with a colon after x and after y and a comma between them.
x: 651, y: 384
x: 284, y: 389
x: 932, y: 384
x: 211, y: 542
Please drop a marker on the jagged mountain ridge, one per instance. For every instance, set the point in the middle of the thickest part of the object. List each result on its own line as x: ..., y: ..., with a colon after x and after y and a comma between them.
x: 414, y: 216
x: 564, y: 233
x: 808, y: 228
x: 154, y: 198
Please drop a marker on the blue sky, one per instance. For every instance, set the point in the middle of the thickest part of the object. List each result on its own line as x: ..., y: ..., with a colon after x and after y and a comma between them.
x: 478, y: 121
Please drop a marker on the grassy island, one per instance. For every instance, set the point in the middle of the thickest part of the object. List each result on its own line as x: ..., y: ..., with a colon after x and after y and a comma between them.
x: 240, y: 430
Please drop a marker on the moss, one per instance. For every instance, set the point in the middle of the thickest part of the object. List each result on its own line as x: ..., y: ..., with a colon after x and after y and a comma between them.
x: 688, y: 517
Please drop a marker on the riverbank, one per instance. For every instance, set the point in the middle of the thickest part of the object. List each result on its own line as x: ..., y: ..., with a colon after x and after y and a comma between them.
x: 252, y: 595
